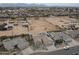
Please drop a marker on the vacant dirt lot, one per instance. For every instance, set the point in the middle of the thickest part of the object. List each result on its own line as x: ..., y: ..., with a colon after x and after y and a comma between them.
x: 36, y: 25
x: 41, y: 25
x: 59, y: 21
x: 15, y: 31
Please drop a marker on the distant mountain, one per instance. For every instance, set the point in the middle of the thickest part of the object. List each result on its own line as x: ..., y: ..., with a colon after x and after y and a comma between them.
x: 63, y: 4
x: 39, y: 5
x: 21, y: 5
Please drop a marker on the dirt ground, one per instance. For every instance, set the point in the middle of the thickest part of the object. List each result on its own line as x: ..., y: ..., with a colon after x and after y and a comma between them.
x: 59, y: 21
x: 36, y: 25
x: 15, y: 31
x: 41, y: 25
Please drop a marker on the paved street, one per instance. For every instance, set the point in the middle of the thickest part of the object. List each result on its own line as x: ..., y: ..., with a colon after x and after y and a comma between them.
x: 70, y: 51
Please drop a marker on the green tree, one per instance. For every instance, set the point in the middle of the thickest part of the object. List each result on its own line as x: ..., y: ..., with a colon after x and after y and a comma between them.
x: 58, y: 41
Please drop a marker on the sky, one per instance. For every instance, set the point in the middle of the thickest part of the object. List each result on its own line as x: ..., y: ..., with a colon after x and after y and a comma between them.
x: 63, y: 4
x: 39, y: 1
x: 49, y: 2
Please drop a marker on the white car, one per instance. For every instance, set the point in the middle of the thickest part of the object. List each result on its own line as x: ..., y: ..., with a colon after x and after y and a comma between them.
x: 66, y: 48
